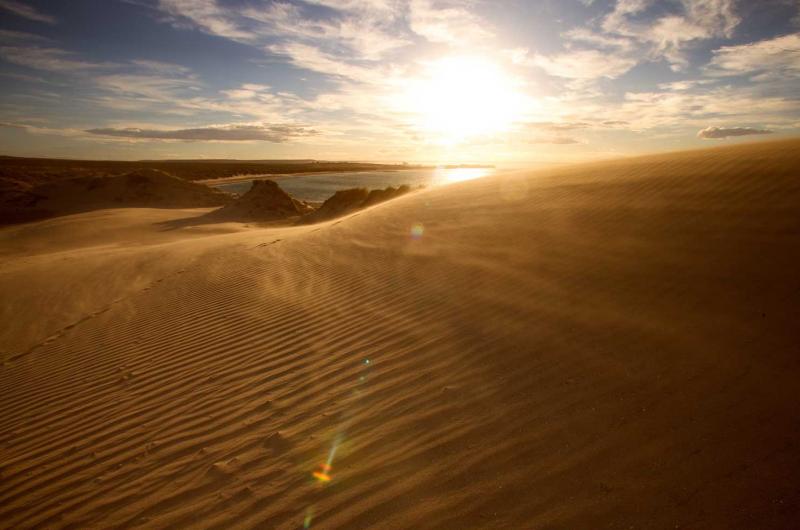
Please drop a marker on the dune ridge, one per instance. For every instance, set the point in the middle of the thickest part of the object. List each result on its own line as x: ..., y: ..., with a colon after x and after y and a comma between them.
x: 610, y: 345
x: 141, y: 188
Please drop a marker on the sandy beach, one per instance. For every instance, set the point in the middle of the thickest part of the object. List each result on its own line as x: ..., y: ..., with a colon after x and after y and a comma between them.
x: 610, y: 345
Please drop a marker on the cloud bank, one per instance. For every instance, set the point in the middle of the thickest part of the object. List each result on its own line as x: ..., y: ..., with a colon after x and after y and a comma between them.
x: 222, y: 133
x: 713, y: 133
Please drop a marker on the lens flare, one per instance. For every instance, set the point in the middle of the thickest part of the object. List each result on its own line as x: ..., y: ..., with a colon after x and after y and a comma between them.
x: 322, y: 474
x: 309, y: 516
x: 417, y: 230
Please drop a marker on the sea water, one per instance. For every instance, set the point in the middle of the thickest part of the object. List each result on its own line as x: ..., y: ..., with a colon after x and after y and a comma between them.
x: 320, y: 186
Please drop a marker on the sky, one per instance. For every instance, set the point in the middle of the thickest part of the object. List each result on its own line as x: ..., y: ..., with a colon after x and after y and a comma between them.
x: 444, y: 81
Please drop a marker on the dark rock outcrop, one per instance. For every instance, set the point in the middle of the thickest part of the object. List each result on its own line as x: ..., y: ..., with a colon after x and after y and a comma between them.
x: 377, y: 196
x: 341, y: 203
x: 347, y: 201
x: 265, y: 201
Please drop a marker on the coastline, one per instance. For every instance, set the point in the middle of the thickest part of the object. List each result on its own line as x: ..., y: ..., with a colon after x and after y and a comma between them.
x: 276, y: 176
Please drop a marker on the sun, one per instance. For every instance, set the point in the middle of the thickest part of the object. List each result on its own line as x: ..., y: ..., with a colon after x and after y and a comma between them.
x: 460, y: 98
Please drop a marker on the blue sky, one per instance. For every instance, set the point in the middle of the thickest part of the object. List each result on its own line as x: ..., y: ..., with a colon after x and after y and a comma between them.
x: 386, y: 80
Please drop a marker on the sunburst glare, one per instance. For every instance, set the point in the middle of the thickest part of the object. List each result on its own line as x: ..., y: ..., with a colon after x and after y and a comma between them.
x: 445, y: 175
x: 459, y: 98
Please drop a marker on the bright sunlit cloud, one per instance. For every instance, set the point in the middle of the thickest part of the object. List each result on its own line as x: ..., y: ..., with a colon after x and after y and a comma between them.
x: 459, y: 98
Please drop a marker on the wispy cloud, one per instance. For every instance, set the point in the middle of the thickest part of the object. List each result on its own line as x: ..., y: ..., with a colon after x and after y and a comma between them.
x: 160, y: 67
x: 668, y: 35
x: 152, y: 87
x: 713, y: 133
x: 145, y: 83
x: 367, y: 28
x: 20, y: 37
x: 312, y: 58
x: 23, y: 77
x: 206, y: 15
x: 26, y: 11
x: 564, y: 126
x: 583, y: 64
x: 446, y: 22
x: 686, y: 84
x: 36, y: 129
x: 771, y: 58
x: 555, y: 140
x: 634, y: 32
x: 586, y: 36
x: 646, y: 110
x: 352, y: 44
x: 49, y: 59
x: 361, y: 30
x: 222, y: 133
x: 246, y: 91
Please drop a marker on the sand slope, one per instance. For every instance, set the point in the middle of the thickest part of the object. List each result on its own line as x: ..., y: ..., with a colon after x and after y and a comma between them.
x: 143, y: 188
x: 605, y: 346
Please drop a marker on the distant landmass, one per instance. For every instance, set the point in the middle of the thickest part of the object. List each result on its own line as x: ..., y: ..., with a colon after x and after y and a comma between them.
x: 16, y: 171
x: 467, y: 166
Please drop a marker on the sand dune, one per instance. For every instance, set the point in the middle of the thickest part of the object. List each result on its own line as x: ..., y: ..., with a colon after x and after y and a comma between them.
x: 610, y: 345
x: 144, y: 188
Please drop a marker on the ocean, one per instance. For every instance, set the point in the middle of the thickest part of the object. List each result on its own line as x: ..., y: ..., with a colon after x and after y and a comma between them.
x: 320, y: 186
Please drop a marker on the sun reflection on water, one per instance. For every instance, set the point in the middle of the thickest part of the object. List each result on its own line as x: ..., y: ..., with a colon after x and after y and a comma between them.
x: 444, y: 175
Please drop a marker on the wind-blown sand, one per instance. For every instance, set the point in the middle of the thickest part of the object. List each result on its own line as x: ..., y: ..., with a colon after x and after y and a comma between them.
x: 611, y: 345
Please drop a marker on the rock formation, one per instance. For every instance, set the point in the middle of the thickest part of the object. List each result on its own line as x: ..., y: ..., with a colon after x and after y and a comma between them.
x: 265, y: 201
x: 347, y: 201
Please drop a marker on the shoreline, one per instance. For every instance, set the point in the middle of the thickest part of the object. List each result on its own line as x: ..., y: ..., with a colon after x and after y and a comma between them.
x: 276, y: 176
